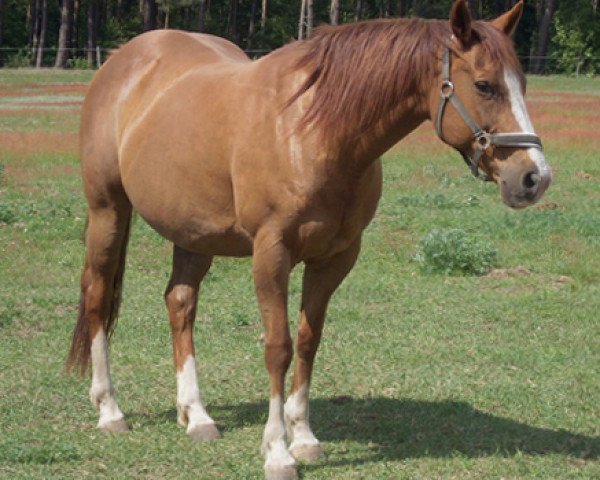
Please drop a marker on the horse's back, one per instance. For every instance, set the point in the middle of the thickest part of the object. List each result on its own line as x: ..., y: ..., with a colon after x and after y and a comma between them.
x: 129, y: 82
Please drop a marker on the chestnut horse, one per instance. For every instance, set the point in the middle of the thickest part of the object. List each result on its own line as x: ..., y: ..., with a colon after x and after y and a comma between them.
x: 279, y: 159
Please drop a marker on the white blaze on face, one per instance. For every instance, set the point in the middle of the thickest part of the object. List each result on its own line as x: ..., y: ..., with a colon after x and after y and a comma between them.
x: 519, y: 110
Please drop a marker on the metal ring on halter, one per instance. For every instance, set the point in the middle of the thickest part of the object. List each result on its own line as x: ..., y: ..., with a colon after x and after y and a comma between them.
x: 447, y: 89
x: 484, y: 140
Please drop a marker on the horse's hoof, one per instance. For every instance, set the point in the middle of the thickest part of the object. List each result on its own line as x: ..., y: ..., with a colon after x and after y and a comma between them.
x: 204, y: 432
x: 281, y: 473
x: 307, y: 453
x: 115, y: 426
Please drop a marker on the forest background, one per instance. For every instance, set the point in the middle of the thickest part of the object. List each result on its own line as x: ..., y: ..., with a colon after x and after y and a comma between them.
x: 555, y: 36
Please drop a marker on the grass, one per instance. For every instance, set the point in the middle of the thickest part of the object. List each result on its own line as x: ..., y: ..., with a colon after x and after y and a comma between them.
x: 418, y: 376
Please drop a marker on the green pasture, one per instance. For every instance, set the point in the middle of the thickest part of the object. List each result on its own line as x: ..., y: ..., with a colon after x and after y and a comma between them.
x: 418, y: 376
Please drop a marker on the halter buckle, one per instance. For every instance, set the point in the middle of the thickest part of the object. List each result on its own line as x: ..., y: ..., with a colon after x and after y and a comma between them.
x: 447, y: 89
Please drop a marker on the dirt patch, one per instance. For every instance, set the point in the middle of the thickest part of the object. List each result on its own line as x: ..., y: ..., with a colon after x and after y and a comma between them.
x: 25, y: 89
x: 23, y: 144
x: 548, y: 205
x: 66, y: 103
x: 31, y: 112
x: 519, y: 271
x: 23, y: 174
x: 536, y: 280
x: 581, y: 175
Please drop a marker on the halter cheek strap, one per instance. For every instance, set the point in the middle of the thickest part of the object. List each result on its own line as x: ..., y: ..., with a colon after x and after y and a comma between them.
x: 483, y: 138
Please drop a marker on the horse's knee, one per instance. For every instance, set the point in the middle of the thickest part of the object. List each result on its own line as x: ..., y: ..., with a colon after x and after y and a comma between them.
x: 278, y: 354
x: 180, y: 301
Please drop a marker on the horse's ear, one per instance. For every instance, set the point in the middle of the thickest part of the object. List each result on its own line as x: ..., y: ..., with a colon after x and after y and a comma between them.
x: 460, y: 21
x: 508, y: 22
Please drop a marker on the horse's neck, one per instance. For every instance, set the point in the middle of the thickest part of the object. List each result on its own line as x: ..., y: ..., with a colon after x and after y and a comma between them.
x: 350, y: 145
x: 352, y: 148
x: 391, y: 129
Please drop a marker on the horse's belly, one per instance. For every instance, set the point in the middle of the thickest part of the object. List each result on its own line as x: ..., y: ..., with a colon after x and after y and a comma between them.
x: 187, y: 204
x: 205, y: 237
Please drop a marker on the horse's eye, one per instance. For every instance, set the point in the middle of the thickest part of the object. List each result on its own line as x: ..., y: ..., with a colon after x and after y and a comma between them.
x: 485, y: 89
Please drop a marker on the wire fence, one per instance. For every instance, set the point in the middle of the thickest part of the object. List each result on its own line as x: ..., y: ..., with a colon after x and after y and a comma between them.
x: 84, y: 58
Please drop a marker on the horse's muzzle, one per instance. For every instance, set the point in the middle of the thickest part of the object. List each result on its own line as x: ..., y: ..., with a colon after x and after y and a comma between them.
x: 523, y: 189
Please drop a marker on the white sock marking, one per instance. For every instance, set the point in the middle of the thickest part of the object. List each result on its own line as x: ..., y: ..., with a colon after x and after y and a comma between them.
x: 296, y: 414
x: 189, y: 403
x: 102, y: 392
x: 274, y: 439
x: 519, y: 109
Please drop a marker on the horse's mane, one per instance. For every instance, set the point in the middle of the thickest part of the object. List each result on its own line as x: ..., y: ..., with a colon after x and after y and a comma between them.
x: 360, y: 71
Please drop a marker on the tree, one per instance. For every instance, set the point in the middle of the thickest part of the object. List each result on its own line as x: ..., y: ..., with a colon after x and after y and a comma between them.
x: 232, y: 24
x: 359, y: 10
x: 334, y: 12
x: 202, y: 16
x: 475, y: 8
x: 252, y: 24
x: 149, y: 12
x: 401, y: 8
x: 1, y: 31
x: 263, y: 14
x: 43, y: 25
x: 302, y: 19
x: 64, y: 34
x: 544, y: 35
x: 92, y: 31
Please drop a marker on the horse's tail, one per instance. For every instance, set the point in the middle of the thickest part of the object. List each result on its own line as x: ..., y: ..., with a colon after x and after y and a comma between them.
x: 81, y: 343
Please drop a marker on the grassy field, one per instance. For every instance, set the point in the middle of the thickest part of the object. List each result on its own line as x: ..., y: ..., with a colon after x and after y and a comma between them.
x: 418, y: 376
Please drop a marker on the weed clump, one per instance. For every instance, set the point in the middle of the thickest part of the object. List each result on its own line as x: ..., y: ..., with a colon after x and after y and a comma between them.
x: 455, y: 252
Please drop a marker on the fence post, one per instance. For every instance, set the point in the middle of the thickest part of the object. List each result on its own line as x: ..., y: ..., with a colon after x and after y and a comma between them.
x: 98, y: 57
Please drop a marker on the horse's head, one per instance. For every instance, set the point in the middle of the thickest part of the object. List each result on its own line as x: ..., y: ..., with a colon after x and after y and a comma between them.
x: 478, y: 107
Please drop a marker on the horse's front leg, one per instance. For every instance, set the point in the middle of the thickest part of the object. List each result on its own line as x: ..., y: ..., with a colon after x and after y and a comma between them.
x: 271, y: 269
x: 319, y: 282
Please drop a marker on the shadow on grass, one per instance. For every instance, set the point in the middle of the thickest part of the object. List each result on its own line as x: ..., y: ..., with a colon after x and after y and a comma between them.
x: 397, y: 429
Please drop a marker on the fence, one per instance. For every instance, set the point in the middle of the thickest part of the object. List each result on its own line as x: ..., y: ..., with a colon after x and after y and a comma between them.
x: 78, y: 58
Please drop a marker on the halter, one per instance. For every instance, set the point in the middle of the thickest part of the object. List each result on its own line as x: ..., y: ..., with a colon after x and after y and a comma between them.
x: 483, y: 138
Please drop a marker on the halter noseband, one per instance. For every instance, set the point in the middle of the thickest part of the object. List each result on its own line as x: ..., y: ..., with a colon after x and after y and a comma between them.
x: 483, y: 138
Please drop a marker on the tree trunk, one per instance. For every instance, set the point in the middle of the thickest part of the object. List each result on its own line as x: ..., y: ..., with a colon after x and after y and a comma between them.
x: 334, y: 12
x: 1, y: 31
x: 74, y: 40
x: 400, y: 8
x: 232, y: 27
x: 39, y: 58
x: 263, y: 14
x: 92, y: 31
x: 64, y: 33
x: 31, y: 16
x: 384, y: 9
x: 310, y: 18
x: 359, y: 10
x: 252, y: 24
x: 149, y: 11
x: 35, y: 29
x: 474, y: 8
x: 202, y: 16
x: 544, y: 36
x: 302, y: 18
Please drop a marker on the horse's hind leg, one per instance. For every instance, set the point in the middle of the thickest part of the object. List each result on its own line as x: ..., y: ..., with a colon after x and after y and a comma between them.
x: 319, y: 282
x: 106, y: 243
x: 181, y: 298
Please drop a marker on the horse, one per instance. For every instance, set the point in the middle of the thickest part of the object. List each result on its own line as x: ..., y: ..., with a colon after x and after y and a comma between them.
x: 279, y: 159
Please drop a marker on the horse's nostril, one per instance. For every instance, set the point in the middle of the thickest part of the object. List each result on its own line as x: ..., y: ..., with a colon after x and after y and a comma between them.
x: 531, y: 179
